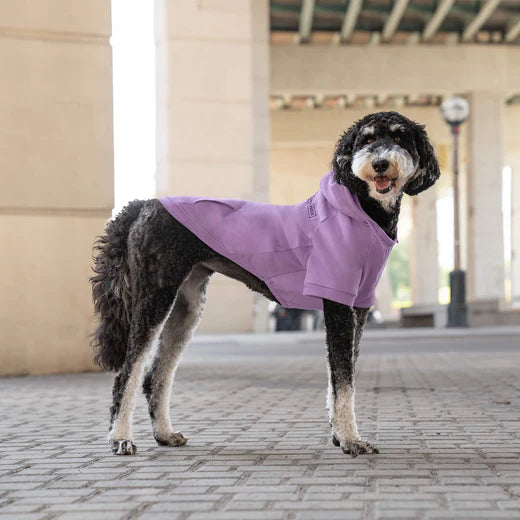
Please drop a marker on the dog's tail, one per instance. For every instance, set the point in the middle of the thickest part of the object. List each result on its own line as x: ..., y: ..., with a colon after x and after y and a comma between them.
x: 111, y: 291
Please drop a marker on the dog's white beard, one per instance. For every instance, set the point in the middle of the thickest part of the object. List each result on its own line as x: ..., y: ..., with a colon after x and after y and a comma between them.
x: 399, y: 160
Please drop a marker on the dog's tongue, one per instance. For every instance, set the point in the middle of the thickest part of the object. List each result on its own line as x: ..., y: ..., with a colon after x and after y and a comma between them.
x: 382, y: 182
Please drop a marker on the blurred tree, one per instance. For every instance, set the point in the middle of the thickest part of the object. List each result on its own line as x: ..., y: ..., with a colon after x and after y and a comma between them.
x: 399, y: 271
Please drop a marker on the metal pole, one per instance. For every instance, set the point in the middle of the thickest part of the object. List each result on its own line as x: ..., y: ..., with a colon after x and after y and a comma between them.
x: 457, y: 309
x: 455, y: 132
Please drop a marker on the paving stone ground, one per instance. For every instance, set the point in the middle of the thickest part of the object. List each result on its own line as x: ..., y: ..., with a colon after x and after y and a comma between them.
x: 444, y: 412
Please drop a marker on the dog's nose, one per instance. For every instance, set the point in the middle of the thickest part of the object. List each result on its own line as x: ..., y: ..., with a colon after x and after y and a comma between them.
x: 380, y: 165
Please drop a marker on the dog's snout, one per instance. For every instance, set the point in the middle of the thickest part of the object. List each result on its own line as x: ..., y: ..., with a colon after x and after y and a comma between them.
x: 380, y: 165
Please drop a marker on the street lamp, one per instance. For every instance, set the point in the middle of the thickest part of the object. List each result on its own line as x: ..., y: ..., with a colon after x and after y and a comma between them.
x: 455, y: 111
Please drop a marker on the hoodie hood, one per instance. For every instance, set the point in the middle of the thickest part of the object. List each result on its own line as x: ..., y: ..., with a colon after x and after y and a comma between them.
x: 346, y: 202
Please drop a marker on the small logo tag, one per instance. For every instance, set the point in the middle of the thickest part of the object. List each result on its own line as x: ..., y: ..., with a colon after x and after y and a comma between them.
x: 310, y: 208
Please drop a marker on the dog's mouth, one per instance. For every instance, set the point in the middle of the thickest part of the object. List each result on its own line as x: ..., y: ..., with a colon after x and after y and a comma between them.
x: 384, y: 184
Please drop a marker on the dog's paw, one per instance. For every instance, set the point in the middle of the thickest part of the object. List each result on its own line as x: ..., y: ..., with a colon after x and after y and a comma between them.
x: 354, y: 447
x: 172, y: 439
x: 124, y: 447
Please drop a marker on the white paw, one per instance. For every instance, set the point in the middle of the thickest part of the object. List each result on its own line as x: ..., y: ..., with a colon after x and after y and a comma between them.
x: 171, y: 439
x: 354, y: 447
x: 124, y: 447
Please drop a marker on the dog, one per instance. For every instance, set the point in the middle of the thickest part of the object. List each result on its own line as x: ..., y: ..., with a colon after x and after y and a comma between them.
x: 153, y: 264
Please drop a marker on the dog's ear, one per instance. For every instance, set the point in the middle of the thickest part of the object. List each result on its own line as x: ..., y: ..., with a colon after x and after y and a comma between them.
x: 428, y: 170
x: 342, y: 160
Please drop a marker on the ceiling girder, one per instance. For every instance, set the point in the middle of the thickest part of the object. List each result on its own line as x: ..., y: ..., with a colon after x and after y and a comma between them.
x: 485, y: 12
x: 436, y: 20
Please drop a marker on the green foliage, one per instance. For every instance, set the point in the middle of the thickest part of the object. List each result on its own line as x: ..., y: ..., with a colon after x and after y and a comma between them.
x: 399, y: 271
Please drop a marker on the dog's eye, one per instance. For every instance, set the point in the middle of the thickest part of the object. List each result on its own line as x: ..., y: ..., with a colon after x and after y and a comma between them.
x: 370, y: 140
x: 397, y: 139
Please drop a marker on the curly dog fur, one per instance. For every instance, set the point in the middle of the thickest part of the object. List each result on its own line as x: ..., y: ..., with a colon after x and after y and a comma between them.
x: 151, y: 275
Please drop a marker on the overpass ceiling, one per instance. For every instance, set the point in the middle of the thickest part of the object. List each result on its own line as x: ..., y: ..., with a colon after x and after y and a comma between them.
x: 395, y: 22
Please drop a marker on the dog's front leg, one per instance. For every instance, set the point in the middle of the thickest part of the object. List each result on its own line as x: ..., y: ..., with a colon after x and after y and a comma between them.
x: 343, y: 327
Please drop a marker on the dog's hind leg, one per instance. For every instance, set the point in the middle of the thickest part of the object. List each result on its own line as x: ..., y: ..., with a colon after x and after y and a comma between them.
x: 344, y: 326
x: 148, y: 320
x: 178, y: 329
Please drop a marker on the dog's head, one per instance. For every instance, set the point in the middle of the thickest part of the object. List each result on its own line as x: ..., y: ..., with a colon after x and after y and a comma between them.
x: 386, y: 154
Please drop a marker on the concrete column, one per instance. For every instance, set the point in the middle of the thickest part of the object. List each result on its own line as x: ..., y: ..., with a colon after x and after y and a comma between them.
x: 512, y: 159
x: 384, y: 297
x: 56, y: 178
x: 485, y: 149
x: 213, y: 120
x: 515, y: 230
x: 424, y: 268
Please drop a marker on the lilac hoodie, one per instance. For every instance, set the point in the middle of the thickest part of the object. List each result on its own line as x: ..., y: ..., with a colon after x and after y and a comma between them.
x: 324, y: 247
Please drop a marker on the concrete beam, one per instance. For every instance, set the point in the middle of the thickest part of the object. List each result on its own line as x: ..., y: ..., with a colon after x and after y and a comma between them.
x: 485, y: 12
x: 306, y: 16
x: 334, y: 70
x: 436, y: 20
x: 350, y: 20
x: 513, y: 32
x: 393, y: 20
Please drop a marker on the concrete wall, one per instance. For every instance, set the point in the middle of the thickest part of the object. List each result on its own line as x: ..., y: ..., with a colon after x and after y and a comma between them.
x: 56, y: 165
x: 394, y: 69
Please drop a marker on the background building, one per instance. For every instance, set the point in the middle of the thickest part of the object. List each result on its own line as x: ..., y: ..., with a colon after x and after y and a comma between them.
x: 251, y: 97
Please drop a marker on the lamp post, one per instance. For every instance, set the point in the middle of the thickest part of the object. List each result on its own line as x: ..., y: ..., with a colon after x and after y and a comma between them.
x: 455, y: 111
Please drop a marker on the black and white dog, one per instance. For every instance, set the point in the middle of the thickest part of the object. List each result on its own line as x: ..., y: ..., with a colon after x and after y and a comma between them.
x: 151, y: 274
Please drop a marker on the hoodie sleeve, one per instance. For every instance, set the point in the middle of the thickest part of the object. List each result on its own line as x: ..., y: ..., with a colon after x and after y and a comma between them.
x: 334, y: 267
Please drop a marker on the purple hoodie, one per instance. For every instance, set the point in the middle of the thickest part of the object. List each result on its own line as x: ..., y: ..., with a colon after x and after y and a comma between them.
x: 325, y: 247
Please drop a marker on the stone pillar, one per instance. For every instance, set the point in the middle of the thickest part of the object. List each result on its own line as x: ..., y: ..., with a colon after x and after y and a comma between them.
x: 56, y: 190
x: 515, y: 231
x: 213, y: 120
x: 424, y: 267
x: 384, y: 297
x: 485, y: 149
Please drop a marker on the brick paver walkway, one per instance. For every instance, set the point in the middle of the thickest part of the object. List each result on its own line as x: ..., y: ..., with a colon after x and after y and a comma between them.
x: 447, y: 425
